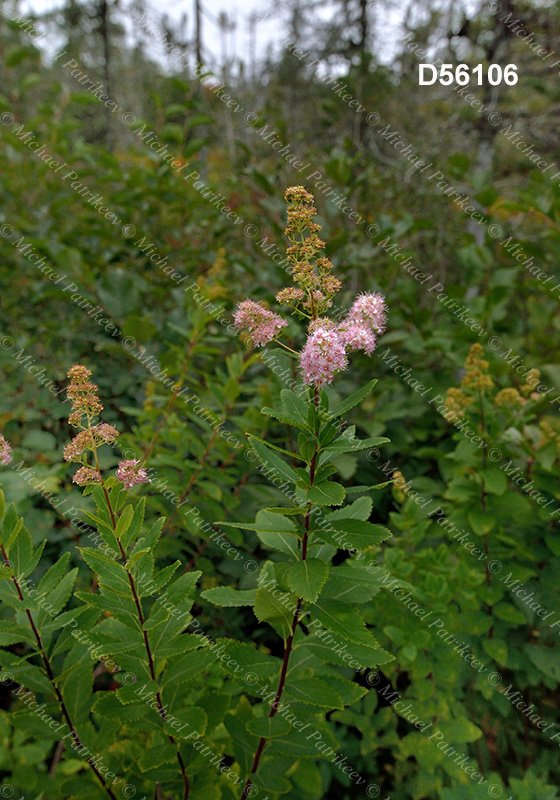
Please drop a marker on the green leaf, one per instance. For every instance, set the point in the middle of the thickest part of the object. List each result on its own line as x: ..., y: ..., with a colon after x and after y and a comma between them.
x: 481, y: 522
x: 157, y: 756
x: 269, y: 728
x: 496, y: 649
x: 460, y: 730
x: 282, y: 417
x: 215, y: 706
x: 362, y: 489
x: 150, y: 539
x: 277, y: 608
x: 307, y: 578
x: 54, y: 574
x: 495, y: 481
x: 353, y: 534
x: 315, y: 692
x: 40, y: 441
x: 327, y: 493
x: 510, y: 613
x: 274, y: 463
x: 359, y: 509
x: 11, y: 525
x: 128, y: 536
x: 269, y: 524
x: 111, y: 574
x: 545, y: 659
x: 228, y: 597
x: 353, y: 400
x: 288, y: 512
x: 345, y: 621
x: 10, y: 633
x: 188, y: 667
x: 283, y: 542
x: 346, y: 445
x: 296, y: 408
x: 187, y: 720
x: 250, y: 659
x: 56, y: 598
x: 124, y: 522
x: 351, y: 582
x: 21, y: 552
x: 289, y: 453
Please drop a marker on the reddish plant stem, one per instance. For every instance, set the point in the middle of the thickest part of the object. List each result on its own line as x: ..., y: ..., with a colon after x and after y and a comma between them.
x: 50, y: 675
x: 295, y: 620
x: 148, y: 649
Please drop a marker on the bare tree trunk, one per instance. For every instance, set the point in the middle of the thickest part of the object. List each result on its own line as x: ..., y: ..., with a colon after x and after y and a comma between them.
x: 198, y: 31
x: 103, y: 14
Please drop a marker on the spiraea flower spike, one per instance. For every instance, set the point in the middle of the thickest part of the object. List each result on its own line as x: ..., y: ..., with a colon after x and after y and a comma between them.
x: 324, y: 354
x: 85, y: 408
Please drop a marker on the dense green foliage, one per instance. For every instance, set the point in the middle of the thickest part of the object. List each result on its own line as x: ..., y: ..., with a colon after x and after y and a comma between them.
x: 453, y: 619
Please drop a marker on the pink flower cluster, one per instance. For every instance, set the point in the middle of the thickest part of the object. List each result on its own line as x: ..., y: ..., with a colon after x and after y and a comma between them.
x: 90, y: 439
x: 130, y: 474
x: 86, y: 475
x: 325, y: 351
x: 262, y: 324
x: 357, y: 337
x: 5, y: 451
x: 322, y: 357
x: 368, y: 310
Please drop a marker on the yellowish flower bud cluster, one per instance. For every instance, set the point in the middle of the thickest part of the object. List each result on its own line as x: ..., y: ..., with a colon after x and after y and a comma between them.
x: 476, y: 376
x: 310, y: 270
x: 213, y: 282
x: 457, y: 401
x: 533, y: 377
x: 549, y: 432
x: 400, y: 489
x: 509, y: 397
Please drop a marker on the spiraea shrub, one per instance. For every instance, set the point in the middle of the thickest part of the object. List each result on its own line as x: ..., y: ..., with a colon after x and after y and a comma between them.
x: 113, y: 685
x: 232, y: 619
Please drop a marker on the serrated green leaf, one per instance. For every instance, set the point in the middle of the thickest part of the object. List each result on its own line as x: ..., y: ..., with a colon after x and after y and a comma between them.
x: 184, y: 721
x: 346, y: 445
x: 133, y: 530
x: 124, y: 522
x: 327, y: 493
x: 274, y: 463
x: 315, y: 692
x: 354, y: 399
x: 290, y: 453
x: 227, y: 597
x: 296, y: 408
x: 354, y: 534
x: 250, y: 659
x: 111, y: 574
x: 57, y: 598
x: 307, y: 578
x: 189, y: 667
x: 270, y: 728
x: 157, y: 756
x: 359, y: 509
x: 277, y: 608
x: 345, y: 621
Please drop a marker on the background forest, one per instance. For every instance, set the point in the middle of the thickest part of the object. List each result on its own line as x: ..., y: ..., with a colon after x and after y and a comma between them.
x: 143, y: 173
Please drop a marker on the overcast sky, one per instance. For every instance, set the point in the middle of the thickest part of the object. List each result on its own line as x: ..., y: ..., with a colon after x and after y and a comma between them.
x: 237, y: 41
x: 270, y: 25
